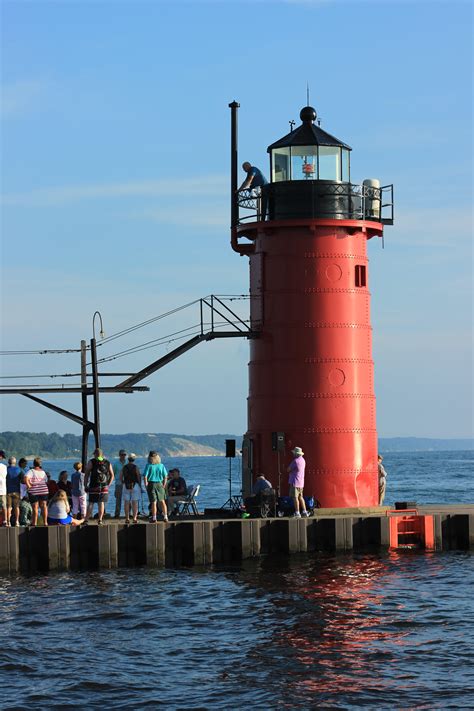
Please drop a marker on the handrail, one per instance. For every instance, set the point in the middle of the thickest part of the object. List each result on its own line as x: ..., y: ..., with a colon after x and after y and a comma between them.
x: 363, y: 202
x: 205, y: 334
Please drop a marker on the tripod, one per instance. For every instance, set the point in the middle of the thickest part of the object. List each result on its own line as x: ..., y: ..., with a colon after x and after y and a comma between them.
x: 233, y: 502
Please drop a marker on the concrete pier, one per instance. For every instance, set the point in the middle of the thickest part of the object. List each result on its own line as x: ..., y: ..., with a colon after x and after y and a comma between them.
x: 199, y: 541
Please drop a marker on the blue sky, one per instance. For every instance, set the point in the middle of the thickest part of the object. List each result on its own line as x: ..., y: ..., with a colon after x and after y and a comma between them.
x: 115, y: 189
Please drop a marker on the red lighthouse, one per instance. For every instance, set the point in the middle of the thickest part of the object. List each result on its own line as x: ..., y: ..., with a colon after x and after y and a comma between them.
x: 311, y: 371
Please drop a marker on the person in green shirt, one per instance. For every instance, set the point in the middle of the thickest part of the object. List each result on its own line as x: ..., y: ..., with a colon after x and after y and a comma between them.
x: 155, y: 476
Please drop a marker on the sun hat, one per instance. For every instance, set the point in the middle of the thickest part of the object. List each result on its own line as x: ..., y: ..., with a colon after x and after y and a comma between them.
x: 297, y: 451
x: 132, y: 456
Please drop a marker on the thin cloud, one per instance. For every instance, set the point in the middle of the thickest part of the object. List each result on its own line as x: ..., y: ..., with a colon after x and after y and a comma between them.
x: 436, y: 227
x: 20, y: 97
x: 211, y: 186
x: 203, y: 216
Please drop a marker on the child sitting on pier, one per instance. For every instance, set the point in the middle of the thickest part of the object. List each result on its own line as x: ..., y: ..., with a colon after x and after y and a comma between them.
x: 58, y: 511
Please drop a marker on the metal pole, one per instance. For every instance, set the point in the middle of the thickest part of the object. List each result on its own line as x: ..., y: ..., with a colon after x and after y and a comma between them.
x: 95, y: 393
x: 234, y: 205
x: 85, y: 428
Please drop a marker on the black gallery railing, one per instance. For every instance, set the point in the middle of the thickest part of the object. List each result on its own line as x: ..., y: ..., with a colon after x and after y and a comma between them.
x: 317, y: 199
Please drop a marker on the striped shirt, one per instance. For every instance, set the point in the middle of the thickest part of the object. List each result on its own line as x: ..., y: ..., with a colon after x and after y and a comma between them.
x: 39, y: 482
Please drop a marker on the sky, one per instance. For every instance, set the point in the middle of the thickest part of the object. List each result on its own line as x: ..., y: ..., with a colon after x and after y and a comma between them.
x: 115, y: 182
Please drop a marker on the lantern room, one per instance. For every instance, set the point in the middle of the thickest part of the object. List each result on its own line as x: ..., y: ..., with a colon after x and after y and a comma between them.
x: 310, y: 178
x: 309, y: 153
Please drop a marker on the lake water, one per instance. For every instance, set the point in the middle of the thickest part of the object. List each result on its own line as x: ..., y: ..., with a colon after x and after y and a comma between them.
x: 381, y: 631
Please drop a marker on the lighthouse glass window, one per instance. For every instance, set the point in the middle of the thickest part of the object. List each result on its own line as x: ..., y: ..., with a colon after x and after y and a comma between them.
x: 280, y: 165
x: 329, y: 163
x: 304, y: 163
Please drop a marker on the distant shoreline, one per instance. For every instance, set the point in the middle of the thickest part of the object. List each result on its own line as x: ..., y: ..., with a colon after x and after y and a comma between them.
x: 68, y: 447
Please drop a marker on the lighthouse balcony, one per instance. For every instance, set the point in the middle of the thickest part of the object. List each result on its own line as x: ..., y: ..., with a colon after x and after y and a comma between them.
x: 317, y: 199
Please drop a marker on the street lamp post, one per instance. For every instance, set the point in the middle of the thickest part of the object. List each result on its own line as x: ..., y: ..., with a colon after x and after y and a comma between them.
x: 95, y: 378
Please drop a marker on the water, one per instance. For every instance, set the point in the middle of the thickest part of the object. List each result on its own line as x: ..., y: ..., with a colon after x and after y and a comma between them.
x: 386, y: 630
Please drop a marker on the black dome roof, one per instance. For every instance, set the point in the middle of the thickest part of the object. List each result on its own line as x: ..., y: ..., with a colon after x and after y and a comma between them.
x: 308, y: 134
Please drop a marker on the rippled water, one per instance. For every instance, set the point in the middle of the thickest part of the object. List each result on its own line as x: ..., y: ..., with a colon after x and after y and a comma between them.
x: 389, y: 631
x: 348, y: 631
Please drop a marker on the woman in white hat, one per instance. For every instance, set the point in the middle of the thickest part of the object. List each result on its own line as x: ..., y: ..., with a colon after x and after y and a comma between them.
x: 296, y: 481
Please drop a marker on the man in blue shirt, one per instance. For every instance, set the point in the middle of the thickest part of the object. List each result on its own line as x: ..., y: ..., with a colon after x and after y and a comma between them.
x: 255, y: 178
x: 14, y: 475
x: 254, y: 181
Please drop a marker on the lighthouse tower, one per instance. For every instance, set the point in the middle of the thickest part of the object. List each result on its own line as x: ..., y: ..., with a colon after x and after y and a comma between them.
x: 311, y: 374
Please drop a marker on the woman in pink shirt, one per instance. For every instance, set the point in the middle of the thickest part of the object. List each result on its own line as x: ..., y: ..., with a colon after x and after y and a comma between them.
x: 36, y: 482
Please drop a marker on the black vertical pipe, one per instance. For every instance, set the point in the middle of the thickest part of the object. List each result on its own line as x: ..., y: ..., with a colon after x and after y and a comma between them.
x: 234, y: 205
x: 95, y: 393
x: 85, y: 428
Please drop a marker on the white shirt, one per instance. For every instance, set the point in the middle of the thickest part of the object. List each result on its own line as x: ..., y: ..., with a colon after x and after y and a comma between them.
x: 3, y: 479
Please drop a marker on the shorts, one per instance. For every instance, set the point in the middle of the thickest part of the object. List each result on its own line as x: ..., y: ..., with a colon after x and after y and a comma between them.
x: 98, y: 498
x: 35, y: 498
x: 3, y: 501
x: 295, y: 491
x: 13, y: 499
x: 156, y: 491
x: 60, y: 521
x: 131, y: 494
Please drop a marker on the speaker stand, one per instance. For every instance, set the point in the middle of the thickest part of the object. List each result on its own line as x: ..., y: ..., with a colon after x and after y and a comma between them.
x: 233, y: 502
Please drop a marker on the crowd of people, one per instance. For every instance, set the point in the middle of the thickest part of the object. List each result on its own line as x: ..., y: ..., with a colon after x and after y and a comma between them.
x: 25, y: 491
x: 28, y: 492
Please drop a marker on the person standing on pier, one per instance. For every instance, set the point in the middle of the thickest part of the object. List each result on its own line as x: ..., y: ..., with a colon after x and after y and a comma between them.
x: 382, y: 479
x: 155, y: 476
x: 14, y: 475
x: 98, y: 477
x: 296, y: 481
x: 3, y: 488
x: 78, y: 492
x: 117, y: 467
x: 24, y: 468
x: 131, y: 480
x: 37, y: 484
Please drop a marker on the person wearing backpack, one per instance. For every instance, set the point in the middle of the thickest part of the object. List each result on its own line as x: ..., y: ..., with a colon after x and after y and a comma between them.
x: 131, y: 480
x: 98, y: 477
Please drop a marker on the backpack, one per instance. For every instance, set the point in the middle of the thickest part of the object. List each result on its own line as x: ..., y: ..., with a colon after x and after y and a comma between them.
x: 130, y: 475
x: 100, y: 473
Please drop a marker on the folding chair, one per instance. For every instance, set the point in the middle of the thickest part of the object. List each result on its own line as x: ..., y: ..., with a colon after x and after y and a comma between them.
x: 188, y: 504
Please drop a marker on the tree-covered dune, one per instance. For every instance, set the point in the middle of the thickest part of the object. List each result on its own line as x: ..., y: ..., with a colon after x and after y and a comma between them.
x: 55, y: 446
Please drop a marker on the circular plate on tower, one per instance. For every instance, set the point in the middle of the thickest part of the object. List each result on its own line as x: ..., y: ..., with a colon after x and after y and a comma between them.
x: 337, y: 377
x: 333, y: 272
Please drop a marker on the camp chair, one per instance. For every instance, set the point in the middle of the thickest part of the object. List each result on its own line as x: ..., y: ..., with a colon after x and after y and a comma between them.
x: 188, y: 504
x: 262, y: 505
